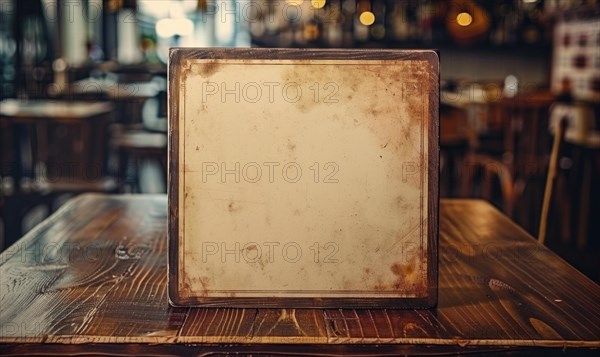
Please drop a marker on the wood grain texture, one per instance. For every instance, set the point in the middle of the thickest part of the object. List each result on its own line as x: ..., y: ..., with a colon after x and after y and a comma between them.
x: 191, y: 284
x: 92, y: 278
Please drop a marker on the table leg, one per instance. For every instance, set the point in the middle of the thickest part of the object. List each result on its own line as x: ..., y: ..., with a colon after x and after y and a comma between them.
x: 584, y: 205
x: 17, y: 176
x: 41, y: 151
x: 86, y: 157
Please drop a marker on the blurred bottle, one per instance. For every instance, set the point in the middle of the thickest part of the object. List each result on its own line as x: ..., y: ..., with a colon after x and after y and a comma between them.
x: 530, y: 29
x: 425, y: 12
x: 333, y: 23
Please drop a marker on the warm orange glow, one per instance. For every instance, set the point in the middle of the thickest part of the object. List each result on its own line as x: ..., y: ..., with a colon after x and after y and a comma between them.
x: 317, y: 4
x: 464, y: 19
x: 367, y: 18
x: 311, y: 32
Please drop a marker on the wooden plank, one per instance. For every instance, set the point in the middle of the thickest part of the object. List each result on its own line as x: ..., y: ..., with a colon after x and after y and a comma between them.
x: 377, y: 218
x: 142, y: 291
x: 47, y: 267
x: 222, y: 325
x: 94, y: 275
x: 499, y: 283
x: 278, y: 350
x: 91, y: 253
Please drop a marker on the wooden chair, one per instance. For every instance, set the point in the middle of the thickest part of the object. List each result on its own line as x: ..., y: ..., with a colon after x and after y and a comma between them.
x: 456, y: 138
x: 487, y: 161
x: 490, y: 170
x: 517, y: 163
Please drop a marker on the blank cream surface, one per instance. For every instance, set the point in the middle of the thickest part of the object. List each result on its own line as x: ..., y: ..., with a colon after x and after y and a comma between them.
x: 303, y: 178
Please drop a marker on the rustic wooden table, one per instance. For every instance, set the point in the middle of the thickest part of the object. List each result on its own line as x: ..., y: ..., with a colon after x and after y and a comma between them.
x: 91, y: 117
x: 93, y: 279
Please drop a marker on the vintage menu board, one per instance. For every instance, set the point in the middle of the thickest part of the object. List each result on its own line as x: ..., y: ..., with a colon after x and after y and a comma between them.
x: 303, y: 178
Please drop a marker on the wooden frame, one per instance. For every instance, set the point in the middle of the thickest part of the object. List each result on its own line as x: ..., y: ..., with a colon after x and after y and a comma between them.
x: 416, y: 84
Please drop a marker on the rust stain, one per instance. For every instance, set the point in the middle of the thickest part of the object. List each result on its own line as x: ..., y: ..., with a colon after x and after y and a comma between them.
x: 394, y: 112
x: 262, y: 262
x: 233, y: 207
x: 347, y: 284
x: 251, y: 247
x: 291, y: 146
x: 205, y: 69
x: 185, y: 286
x: 407, y: 277
x: 203, y: 282
x: 405, y: 274
x: 309, y: 79
x: 186, y: 68
x: 399, y: 201
x: 403, y: 204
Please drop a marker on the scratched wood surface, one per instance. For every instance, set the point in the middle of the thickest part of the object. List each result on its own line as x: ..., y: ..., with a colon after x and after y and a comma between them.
x: 93, y: 278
